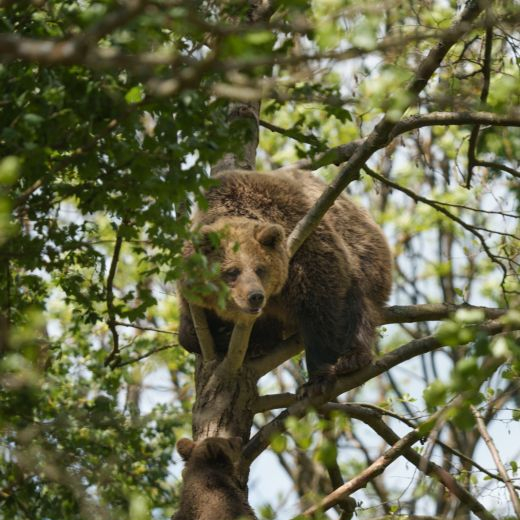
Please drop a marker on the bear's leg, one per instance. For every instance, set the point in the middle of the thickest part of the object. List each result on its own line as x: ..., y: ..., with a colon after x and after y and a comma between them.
x: 359, y: 333
x: 339, y: 342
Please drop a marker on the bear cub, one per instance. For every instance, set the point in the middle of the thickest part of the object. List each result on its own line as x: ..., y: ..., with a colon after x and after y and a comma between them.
x: 330, y: 293
x: 211, y: 488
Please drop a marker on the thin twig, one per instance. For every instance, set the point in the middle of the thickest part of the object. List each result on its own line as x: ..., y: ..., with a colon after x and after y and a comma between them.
x: 486, y: 72
x: 498, y: 461
x: 110, y: 297
x: 139, y: 327
x: 432, y: 312
x: 419, y: 198
x: 143, y: 356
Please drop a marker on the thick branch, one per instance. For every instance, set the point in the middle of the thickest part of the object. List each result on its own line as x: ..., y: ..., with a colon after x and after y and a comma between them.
x: 238, y: 346
x: 284, y: 351
x: 395, y: 314
x: 270, y: 402
x: 454, y: 118
x: 207, y: 345
x: 432, y: 312
x: 344, y: 152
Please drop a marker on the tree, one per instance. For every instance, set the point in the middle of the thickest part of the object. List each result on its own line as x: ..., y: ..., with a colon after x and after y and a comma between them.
x: 112, y: 114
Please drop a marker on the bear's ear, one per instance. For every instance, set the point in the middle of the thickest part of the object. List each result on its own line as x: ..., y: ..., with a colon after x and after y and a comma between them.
x: 222, y: 448
x: 235, y: 444
x: 185, y: 447
x: 270, y: 235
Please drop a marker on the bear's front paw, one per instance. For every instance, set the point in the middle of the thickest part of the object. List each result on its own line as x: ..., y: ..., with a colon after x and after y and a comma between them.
x: 318, y: 386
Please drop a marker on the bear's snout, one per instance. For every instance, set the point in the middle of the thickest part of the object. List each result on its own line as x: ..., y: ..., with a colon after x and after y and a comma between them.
x: 255, y: 299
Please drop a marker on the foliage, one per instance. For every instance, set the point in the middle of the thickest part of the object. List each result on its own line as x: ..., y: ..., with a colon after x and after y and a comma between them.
x: 111, y: 114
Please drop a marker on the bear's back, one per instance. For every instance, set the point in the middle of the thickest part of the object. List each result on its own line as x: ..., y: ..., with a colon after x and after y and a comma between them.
x: 259, y: 196
x: 284, y: 198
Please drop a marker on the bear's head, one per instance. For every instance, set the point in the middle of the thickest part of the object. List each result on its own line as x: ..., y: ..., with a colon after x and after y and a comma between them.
x: 253, y: 263
x: 214, y: 451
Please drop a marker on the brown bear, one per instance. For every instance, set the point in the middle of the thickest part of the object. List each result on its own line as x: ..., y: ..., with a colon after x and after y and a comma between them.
x: 211, y: 488
x: 330, y: 292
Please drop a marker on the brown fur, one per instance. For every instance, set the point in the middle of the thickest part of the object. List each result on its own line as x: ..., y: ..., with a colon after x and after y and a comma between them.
x: 330, y: 292
x: 211, y: 488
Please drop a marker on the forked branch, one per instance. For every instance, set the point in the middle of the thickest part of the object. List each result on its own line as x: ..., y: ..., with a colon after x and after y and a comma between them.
x: 373, y: 419
x: 300, y: 407
x: 381, y: 135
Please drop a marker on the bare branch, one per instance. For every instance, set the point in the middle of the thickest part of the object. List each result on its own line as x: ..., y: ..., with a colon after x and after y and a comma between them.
x: 361, y: 480
x: 486, y: 72
x: 110, y: 299
x: 373, y: 419
x: 432, y: 312
x: 313, y: 217
x: 498, y: 461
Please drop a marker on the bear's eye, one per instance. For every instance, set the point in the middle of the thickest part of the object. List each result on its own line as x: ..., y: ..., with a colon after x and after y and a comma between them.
x: 261, y: 271
x: 230, y: 275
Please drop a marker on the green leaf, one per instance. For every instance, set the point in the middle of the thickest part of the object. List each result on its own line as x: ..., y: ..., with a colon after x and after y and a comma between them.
x: 135, y: 95
x: 9, y: 169
x: 435, y: 394
x: 33, y: 119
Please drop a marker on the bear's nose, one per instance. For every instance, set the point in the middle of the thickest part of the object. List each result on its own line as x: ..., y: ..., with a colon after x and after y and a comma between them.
x: 255, y: 298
